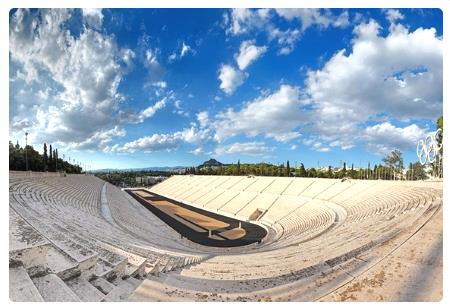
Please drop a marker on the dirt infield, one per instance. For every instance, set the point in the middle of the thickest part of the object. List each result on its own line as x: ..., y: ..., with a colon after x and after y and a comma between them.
x: 200, y: 226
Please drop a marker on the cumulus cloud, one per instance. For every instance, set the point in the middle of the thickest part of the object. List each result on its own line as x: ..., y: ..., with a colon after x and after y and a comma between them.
x: 392, y: 15
x: 286, y: 39
x: 249, y: 149
x: 93, y: 17
x: 230, y: 78
x: 248, y: 53
x: 274, y: 116
x: 399, y: 75
x: 84, y: 72
x: 155, y: 142
x: 385, y: 137
x: 316, y: 145
x: 165, y: 141
x: 243, y: 21
x: 99, y: 140
x: 309, y: 17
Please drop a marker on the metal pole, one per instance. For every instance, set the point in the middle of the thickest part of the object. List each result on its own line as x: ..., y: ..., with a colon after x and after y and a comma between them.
x: 26, y: 151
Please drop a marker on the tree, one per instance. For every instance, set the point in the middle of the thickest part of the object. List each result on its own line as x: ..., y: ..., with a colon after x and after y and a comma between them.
x: 288, y: 169
x: 50, y: 159
x: 45, y: 158
x: 330, y: 172
x: 416, y: 171
x: 344, y: 170
x: 394, y: 161
x: 302, y: 172
x: 238, y: 170
x: 312, y: 172
x: 56, y: 159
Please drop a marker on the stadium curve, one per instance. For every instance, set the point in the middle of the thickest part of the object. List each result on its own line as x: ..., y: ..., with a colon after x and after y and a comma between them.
x: 327, y: 240
x: 195, y: 223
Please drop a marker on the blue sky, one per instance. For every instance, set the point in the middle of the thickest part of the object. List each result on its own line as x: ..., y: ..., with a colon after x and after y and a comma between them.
x: 122, y: 88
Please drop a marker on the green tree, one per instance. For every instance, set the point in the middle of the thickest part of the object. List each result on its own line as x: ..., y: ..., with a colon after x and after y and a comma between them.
x: 416, y: 171
x: 238, y: 168
x: 50, y: 160
x: 344, y: 170
x: 45, y: 157
x: 330, y: 172
x: 288, y: 169
x: 312, y: 172
x: 394, y: 161
x: 302, y: 172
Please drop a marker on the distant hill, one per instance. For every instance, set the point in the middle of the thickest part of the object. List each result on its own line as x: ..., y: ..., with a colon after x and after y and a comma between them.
x: 211, y: 163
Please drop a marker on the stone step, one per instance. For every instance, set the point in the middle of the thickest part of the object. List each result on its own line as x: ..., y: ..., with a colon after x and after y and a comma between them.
x: 21, y: 288
x: 53, y: 289
x: 135, y: 263
x: 108, y: 271
x: 108, y: 255
x: 27, y: 246
x: 85, y: 290
x: 85, y: 257
x: 117, y: 294
x: 58, y: 263
x: 135, y: 270
x: 129, y: 284
x: 103, y: 285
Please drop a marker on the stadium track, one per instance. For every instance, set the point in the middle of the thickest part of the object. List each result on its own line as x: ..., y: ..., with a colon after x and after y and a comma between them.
x: 254, y: 233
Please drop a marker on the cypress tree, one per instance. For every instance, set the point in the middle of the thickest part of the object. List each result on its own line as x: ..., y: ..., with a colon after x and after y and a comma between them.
x: 50, y: 159
x: 45, y: 158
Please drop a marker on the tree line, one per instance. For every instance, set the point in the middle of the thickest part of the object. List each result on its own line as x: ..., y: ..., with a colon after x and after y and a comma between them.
x: 49, y: 161
x: 392, y: 168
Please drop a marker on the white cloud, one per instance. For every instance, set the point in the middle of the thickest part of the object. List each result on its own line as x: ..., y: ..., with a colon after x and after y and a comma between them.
x: 93, y: 17
x: 285, y: 39
x: 197, y: 151
x: 160, y: 84
x: 136, y: 118
x: 243, y: 21
x: 155, y: 142
x: 230, y: 78
x: 161, y: 142
x: 248, y: 53
x: 203, y: 118
x: 249, y: 149
x: 399, y: 75
x: 185, y: 49
x: 99, y: 140
x: 84, y: 73
x: 21, y: 124
x: 385, y: 137
x: 392, y: 15
x: 274, y: 116
x: 316, y: 145
x: 309, y: 17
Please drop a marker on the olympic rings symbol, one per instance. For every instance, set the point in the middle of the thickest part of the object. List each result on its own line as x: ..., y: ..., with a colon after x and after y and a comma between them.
x: 429, y: 149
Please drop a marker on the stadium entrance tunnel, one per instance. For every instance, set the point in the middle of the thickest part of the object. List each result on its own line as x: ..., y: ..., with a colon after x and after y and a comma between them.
x: 199, y: 226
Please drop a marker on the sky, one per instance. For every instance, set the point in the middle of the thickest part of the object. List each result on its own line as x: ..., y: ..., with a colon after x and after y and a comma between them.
x: 129, y: 88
